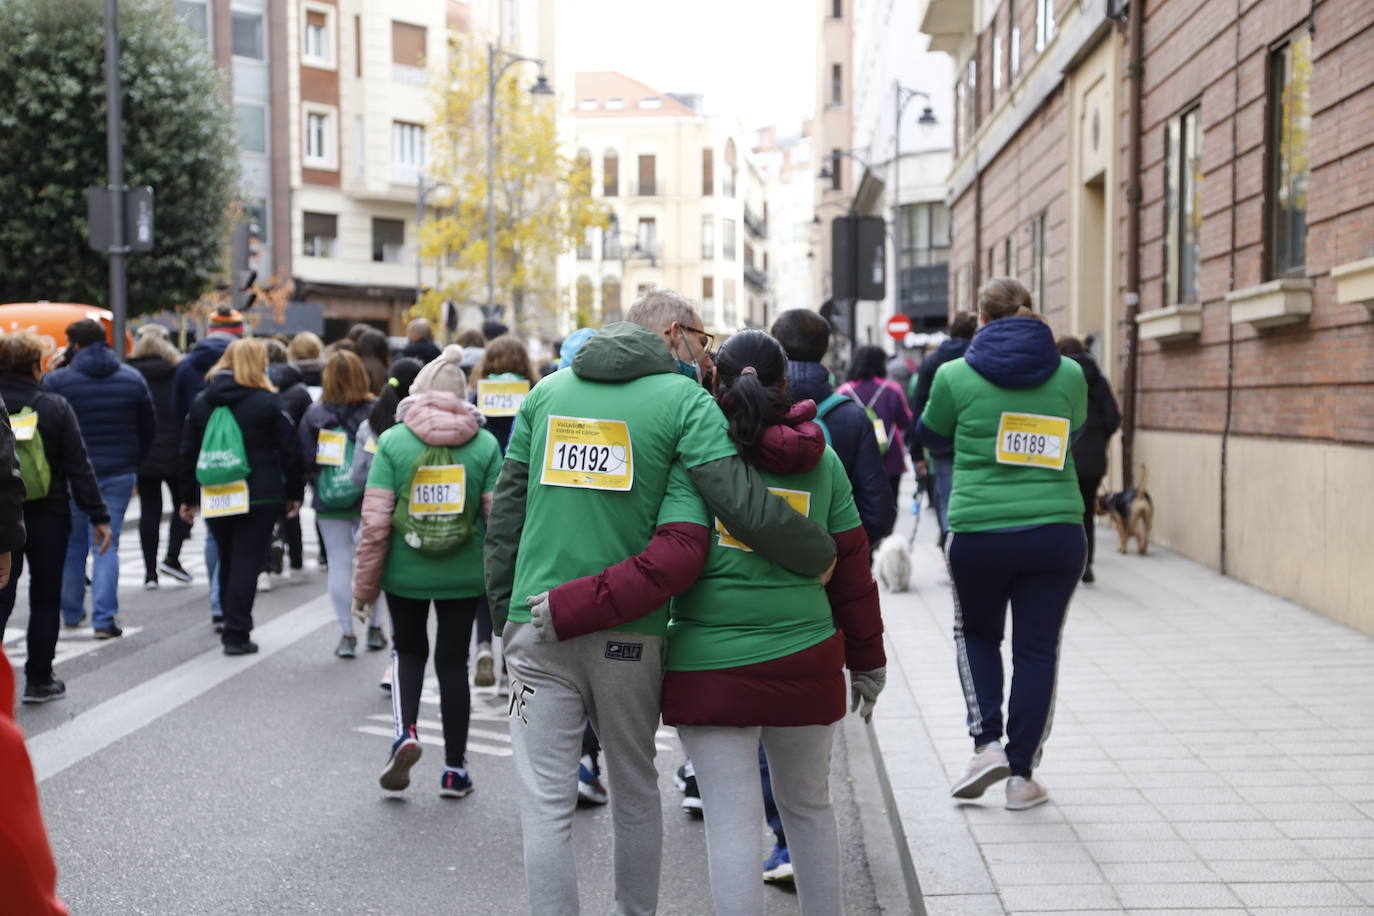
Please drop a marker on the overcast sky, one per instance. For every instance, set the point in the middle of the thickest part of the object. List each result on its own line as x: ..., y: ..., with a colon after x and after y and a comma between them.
x: 754, y: 56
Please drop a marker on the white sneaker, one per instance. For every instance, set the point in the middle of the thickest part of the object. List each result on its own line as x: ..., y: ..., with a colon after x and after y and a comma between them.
x: 386, y: 680
x: 1025, y: 793
x: 485, y: 673
x: 286, y: 577
x: 264, y: 582
x: 988, y: 766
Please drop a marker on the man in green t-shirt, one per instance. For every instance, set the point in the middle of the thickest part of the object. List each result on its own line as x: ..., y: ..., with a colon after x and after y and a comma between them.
x: 582, y: 489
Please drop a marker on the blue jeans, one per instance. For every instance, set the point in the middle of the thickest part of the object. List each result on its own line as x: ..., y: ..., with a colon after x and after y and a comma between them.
x: 116, y: 490
x: 942, y: 482
x: 212, y: 572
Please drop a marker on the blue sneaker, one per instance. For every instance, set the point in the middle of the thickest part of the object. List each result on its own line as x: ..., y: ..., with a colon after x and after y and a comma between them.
x: 777, y: 868
x: 405, y: 753
x: 589, y: 786
x: 454, y: 784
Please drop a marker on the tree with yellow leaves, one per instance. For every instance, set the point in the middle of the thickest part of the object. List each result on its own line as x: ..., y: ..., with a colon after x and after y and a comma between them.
x: 543, y: 200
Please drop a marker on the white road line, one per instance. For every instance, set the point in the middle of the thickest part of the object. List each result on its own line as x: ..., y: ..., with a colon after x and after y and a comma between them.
x: 70, y: 643
x: 437, y: 741
x: 102, y: 725
x: 438, y: 726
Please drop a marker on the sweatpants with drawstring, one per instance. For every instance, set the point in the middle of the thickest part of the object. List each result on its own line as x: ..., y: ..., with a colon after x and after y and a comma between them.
x: 1035, y: 571
x: 726, y: 761
x: 613, y: 680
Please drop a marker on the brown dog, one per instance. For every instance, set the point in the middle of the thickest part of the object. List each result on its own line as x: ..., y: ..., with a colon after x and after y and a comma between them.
x: 1132, y: 512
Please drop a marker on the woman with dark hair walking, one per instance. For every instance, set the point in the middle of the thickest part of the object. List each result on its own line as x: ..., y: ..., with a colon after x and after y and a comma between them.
x: 1011, y: 407
x: 887, y: 405
x: 156, y: 360
x: 1090, y: 449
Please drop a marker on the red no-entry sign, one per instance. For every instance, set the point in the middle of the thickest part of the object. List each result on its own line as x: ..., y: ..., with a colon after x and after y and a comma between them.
x: 899, y: 326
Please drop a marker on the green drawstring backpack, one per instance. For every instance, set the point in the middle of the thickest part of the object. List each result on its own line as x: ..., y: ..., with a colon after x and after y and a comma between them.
x: 33, y: 461
x: 433, y: 513
x: 223, y: 458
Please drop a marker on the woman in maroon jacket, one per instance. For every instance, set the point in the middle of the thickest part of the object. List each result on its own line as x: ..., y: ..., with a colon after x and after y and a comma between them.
x: 754, y: 652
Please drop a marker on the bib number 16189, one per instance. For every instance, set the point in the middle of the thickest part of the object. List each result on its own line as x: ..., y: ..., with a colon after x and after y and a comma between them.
x: 1032, y: 440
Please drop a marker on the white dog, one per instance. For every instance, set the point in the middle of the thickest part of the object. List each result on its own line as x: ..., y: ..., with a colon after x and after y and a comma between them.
x: 892, y: 564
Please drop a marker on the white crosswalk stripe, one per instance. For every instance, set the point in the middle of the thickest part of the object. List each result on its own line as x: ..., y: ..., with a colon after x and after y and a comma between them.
x: 488, y: 731
x: 70, y: 643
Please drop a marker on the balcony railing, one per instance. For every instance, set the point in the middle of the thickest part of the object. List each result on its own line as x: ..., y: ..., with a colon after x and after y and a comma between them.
x: 755, y: 277
x: 754, y: 224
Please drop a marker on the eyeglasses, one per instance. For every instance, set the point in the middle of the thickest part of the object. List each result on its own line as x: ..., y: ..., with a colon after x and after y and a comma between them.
x: 708, y: 344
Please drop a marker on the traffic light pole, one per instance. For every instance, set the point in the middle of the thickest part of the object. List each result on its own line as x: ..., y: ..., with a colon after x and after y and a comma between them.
x: 114, y: 148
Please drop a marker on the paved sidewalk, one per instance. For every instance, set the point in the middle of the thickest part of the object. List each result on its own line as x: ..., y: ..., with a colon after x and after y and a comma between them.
x: 1211, y: 753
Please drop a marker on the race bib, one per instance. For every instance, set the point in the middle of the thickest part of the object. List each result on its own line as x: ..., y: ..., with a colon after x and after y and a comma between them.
x: 501, y: 399
x: 1032, y: 440
x: 370, y: 446
x: 224, y: 499
x: 329, y: 448
x: 24, y: 427
x: 438, y: 489
x: 591, y: 454
x: 880, y: 431
x: 799, y: 500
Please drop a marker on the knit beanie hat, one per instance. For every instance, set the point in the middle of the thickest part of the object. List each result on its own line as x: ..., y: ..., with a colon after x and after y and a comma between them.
x: 443, y: 374
x: 226, y: 321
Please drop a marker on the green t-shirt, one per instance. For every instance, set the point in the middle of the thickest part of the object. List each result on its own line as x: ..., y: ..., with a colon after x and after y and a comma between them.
x: 596, y: 488
x: 1007, y: 442
x: 407, y: 572
x: 745, y: 610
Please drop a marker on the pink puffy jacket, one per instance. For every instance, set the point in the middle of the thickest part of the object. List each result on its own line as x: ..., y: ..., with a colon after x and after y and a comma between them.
x: 437, y: 418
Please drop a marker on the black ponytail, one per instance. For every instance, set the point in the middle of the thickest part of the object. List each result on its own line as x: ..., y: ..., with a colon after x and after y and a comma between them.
x: 751, y: 387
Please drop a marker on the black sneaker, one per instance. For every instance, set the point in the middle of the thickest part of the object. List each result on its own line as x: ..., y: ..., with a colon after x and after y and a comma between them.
x: 172, y: 567
x: 376, y: 640
x: 247, y: 647
x: 278, y: 554
x: 52, y: 689
x: 150, y: 583
x: 686, y: 779
x: 218, y: 623
x: 1088, y: 576
x: 111, y: 632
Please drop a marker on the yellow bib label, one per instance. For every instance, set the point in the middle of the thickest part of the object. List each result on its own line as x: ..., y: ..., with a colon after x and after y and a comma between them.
x: 501, y: 399
x: 370, y: 446
x: 591, y: 454
x: 24, y: 427
x: 439, y: 489
x: 225, y: 499
x: 880, y: 431
x: 799, y: 500
x: 1033, y: 440
x: 329, y: 448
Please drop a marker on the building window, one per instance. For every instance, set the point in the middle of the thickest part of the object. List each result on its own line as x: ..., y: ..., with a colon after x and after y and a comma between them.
x: 1290, y: 128
x: 1044, y: 23
x: 836, y: 184
x: 610, y: 298
x: 728, y: 291
x: 587, y: 245
x: 727, y: 232
x: 648, y: 169
x: 646, y: 239
x: 731, y: 170
x: 1182, y: 207
x: 1040, y: 265
x: 610, y: 173
x: 708, y: 172
x: 1009, y: 255
x: 408, y: 52
x: 318, y: 50
x: 650, y: 104
x: 992, y: 262
x: 615, y: 104
x: 321, y: 150
x: 255, y: 215
x: 610, y: 240
x: 836, y: 84
x: 321, y: 230
x: 196, y: 15
x: 708, y: 297
x: 970, y: 119
x: 247, y: 35
x: 587, y: 105
x: 996, y: 56
x: 252, y: 127
x: 837, y: 9
x: 708, y: 238
x: 1013, y: 42
x: 388, y: 238
x: 407, y: 151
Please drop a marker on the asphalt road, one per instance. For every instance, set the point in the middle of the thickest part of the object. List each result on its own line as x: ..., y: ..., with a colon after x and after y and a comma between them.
x: 177, y: 781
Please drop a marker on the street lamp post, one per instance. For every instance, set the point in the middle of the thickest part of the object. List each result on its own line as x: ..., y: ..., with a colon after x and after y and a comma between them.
x: 541, y: 87
x: 114, y: 152
x: 902, y: 96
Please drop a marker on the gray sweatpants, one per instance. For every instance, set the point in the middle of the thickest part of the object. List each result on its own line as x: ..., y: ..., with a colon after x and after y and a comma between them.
x: 614, y: 680
x: 726, y: 761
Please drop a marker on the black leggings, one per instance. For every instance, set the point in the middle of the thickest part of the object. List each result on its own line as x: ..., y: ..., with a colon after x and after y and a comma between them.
x: 150, y: 520
x: 1088, y: 487
x: 410, y: 639
x: 240, y: 539
x: 46, y: 549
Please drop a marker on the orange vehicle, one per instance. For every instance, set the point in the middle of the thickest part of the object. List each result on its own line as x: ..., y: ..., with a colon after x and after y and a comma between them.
x: 49, y: 321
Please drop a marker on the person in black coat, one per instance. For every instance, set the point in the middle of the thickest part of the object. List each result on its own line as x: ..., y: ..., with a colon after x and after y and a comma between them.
x: 274, y: 483
x: 296, y: 400
x: 420, y: 345
x: 941, y: 460
x: 805, y: 335
x: 47, y: 519
x: 1090, y: 449
x: 156, y: 360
